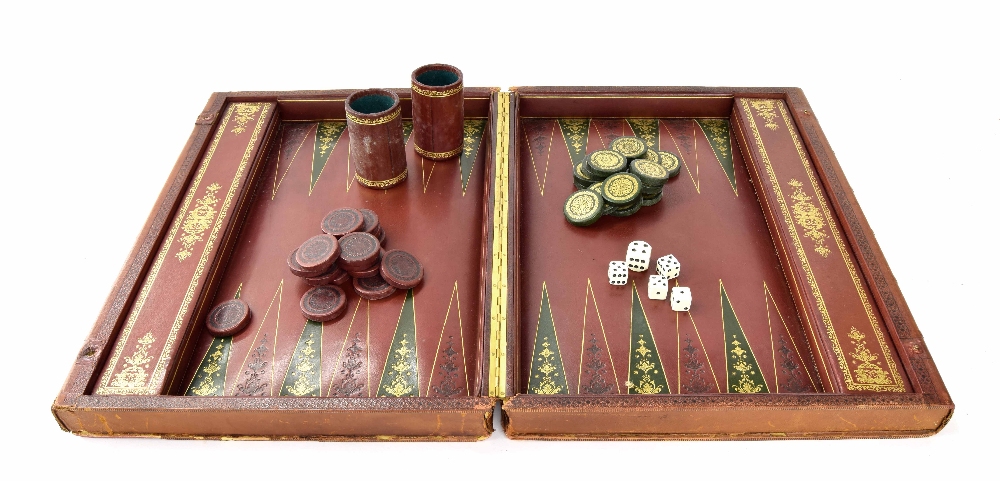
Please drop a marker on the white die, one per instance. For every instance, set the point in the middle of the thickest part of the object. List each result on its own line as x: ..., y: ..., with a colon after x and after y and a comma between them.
x: 680, y: 299
x: 638, y: 255
x: 668, y: 266
x: 658, y: 287
x: 617, y: 273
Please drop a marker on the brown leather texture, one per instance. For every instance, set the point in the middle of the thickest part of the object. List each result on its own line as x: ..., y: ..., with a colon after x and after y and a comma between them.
x: 438, y: 113
x: 377, y: 142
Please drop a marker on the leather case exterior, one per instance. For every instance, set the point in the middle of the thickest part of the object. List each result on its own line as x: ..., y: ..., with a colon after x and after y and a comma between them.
x: 493, y: 320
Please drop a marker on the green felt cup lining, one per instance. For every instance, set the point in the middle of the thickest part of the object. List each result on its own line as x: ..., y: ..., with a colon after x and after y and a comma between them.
x: 372, y: 104
x: 437, y: 78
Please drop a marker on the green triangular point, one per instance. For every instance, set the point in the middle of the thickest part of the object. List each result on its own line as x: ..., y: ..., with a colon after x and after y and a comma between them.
x: 742, y: 371
x: 327, y: 136
x: 717, y: 131
x: 547, y: 373
x: 574, y: 133
x: 407, y: 130
x: 400, y: 376
x: 648, y: 130
x: 645, y: 372
x: 303, y: 375
x: 472, y: 139
x: 211, y: 377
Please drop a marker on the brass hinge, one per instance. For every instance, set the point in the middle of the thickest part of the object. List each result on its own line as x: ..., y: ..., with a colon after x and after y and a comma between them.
x: 498, y: 298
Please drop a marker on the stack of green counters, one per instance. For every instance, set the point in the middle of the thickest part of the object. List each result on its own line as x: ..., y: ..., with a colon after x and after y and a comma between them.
x: 625, y: 177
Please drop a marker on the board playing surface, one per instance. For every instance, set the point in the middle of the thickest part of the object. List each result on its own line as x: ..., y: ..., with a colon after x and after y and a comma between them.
x: 418, y: 342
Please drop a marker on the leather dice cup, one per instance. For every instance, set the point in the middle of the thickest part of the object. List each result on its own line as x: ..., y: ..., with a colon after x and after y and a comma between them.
x: 438, y: 111
x: 376, y: 130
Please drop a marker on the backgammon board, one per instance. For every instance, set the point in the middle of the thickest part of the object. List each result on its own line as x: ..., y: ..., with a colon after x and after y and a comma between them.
x: 796, y: 330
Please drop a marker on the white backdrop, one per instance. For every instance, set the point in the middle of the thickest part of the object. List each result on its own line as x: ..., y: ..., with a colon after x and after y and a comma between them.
x: 100, y: 99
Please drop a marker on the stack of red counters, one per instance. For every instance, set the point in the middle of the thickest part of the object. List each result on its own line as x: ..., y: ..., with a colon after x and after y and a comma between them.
x: 356, y: 254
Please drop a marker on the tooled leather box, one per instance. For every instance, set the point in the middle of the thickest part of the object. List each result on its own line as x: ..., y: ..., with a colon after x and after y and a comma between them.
x: 797, y: 330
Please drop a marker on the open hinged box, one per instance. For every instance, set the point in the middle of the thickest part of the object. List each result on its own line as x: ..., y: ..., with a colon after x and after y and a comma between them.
x: 797, y: 328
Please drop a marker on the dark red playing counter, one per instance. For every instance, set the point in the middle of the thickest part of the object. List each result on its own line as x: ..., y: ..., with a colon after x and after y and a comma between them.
x: 342, y: 221
x: 327, y: 277
x: 318, y: 253
x: 373, y: 288
x: 323, y: 303
x: 401, y: 269
x: 371, y: 224
x: 228, y: 318
x: 358, y: 251
x: 297, y: 268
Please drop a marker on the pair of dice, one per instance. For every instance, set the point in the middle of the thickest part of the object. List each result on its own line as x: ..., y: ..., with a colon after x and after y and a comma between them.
x: 667, y: 267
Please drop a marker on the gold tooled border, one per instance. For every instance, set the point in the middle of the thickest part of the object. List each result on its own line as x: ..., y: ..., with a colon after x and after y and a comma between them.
x: 380, y: 184
x: 147, y: 285
x: 437, y: 155
x: 498, y: 299
x: 434, y: 93
x: 160, y: 371
x: 806, y: 266
x: 376, y: 121
x: 821, y: 199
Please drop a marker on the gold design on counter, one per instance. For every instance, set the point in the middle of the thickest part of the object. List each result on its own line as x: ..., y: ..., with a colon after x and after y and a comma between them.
x: 381, y: 184
x: 765, y: 109
x: 376, y: 121
x: 435, y: 93
x: 583, y: 205
x: 808, y: 217
x: 437, y: 155
x: 134, y: 374
x: 621, y: 187
x: 866, y: 371
x: 244, y: 115
x: 626, y: 146
x: 402, y: 371
x: 197, y: 221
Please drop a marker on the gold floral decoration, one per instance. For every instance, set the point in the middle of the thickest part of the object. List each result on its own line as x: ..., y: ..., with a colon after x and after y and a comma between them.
x: 198, y: 220
x: 134, y: 374
x: 646, y: 384
x: 549, y: 371
x: 576, y: 128
x: 745, y: 385
x: 244, y: 114
x: 809, y: 217
x: 402, y: 369
x: 765, y: 109
x: 866, y: 372
x: 645, y: 129
x: 305, y: 371
x: 207, y: 387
